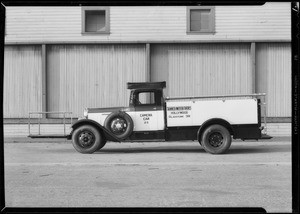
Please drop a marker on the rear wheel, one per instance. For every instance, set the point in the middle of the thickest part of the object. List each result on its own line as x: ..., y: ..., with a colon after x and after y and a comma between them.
x: 87, y: 139
x: 216, y: 139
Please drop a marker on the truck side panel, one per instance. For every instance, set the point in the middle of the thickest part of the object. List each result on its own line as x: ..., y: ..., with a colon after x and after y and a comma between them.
x: 142, y: 120
x: 196, y: 112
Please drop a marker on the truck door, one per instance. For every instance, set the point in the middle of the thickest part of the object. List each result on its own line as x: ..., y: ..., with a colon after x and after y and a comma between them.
x: 149, y: 112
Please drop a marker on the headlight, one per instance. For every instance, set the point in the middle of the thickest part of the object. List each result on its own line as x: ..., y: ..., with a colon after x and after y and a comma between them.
x: 85, y: 113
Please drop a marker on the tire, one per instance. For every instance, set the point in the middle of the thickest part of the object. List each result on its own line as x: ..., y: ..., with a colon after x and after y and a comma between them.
x: 216, y: 139
x: 87, y: 139
x: 120, y: 124
x: 104, y: 142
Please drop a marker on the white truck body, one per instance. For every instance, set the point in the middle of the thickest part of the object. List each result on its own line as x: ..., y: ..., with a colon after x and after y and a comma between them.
x: 196, y: 111
x: 193, y: 112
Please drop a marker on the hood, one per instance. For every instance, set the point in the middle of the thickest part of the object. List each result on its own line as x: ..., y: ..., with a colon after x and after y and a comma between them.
x: 110, y: 109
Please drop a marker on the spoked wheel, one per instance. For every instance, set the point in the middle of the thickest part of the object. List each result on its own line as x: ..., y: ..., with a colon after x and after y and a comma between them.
x: 120, y: 124
x: 216, y: 139
x: 87, y: 139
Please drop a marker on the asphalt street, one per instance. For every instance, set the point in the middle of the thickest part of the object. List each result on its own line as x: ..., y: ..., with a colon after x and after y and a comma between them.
x: 154, y: 174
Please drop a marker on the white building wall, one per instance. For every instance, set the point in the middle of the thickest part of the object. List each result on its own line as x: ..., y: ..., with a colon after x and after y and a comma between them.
x: 162, y: 24
x: 269, y: 22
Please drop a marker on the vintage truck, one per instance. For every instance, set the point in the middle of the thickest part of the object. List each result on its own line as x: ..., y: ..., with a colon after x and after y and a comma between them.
x: 212, y: 120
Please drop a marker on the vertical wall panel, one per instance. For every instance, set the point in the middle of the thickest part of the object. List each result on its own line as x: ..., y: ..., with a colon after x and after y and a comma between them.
x: 274, y: 70
x: 82, y: 76
x: 22, y: 81
x: 204, y: 69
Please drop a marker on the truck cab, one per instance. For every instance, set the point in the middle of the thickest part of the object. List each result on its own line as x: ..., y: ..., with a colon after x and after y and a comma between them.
x: 147, y: 110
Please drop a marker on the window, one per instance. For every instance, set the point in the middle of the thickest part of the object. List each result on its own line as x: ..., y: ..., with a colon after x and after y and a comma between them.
x: 145, y: 98
x: 95, y: 20
x: 200, y: 20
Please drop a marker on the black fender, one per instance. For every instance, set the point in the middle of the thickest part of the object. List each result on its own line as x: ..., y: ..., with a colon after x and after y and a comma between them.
x: 212, y: 121
x: 107, y: 134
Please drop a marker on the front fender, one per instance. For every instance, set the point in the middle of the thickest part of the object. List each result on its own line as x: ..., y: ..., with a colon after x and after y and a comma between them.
x: 108, y: 135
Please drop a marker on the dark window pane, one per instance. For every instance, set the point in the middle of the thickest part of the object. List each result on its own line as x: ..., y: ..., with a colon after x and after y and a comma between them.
x: 205, y: 16
x: 195, y: 15
x: 195, y: 25
x: 200, y: 19
x: 94, y: 21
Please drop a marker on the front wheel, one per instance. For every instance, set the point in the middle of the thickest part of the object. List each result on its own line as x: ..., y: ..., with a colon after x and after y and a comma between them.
x: 216, y: 139
x: 87, y: 139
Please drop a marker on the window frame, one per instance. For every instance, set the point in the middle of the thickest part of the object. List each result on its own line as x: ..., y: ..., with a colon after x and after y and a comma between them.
x: 137, y: 98
x: 134, y: 94
x: 211, y: 29
x: 107, y: 20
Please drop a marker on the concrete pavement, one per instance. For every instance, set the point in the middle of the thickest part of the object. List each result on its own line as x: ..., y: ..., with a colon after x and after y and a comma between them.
x: 160, y: 174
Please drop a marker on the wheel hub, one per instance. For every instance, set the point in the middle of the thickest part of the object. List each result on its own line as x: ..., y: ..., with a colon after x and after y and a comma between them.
x: 215, y: 139
x: 86, y: 138
x: 118, y: 125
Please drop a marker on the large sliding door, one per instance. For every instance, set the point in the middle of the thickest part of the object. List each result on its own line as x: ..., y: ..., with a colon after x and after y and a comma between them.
x: 80, y: 76
x: 273, y: 62
x: 203, y: 69
x: 22, y: 91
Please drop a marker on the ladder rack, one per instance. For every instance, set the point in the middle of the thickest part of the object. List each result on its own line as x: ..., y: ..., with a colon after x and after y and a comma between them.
x: 39, y: 135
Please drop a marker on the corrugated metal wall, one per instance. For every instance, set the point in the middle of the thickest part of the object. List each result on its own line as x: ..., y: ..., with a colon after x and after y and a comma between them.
x: 203, y: 69
x: 273, y: 62
x: 271, y: 21
x: 82, y: 76
x: 22, y: 81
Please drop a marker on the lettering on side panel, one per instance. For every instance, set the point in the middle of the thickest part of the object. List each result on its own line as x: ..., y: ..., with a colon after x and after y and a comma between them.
x: 179, y: 111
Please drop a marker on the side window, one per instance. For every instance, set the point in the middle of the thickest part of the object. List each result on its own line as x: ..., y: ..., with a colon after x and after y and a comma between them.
x: 95, y: 20
x: 145, y: 98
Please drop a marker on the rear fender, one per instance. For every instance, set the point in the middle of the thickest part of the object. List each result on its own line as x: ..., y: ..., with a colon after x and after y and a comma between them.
x: 108, y: 135
x: 209, y: 122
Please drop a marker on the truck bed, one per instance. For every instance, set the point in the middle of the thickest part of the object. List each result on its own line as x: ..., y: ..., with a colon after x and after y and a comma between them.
x: 193, y: 111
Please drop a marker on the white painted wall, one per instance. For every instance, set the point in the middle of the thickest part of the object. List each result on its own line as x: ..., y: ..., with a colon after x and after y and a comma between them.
x: 271, y: 22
